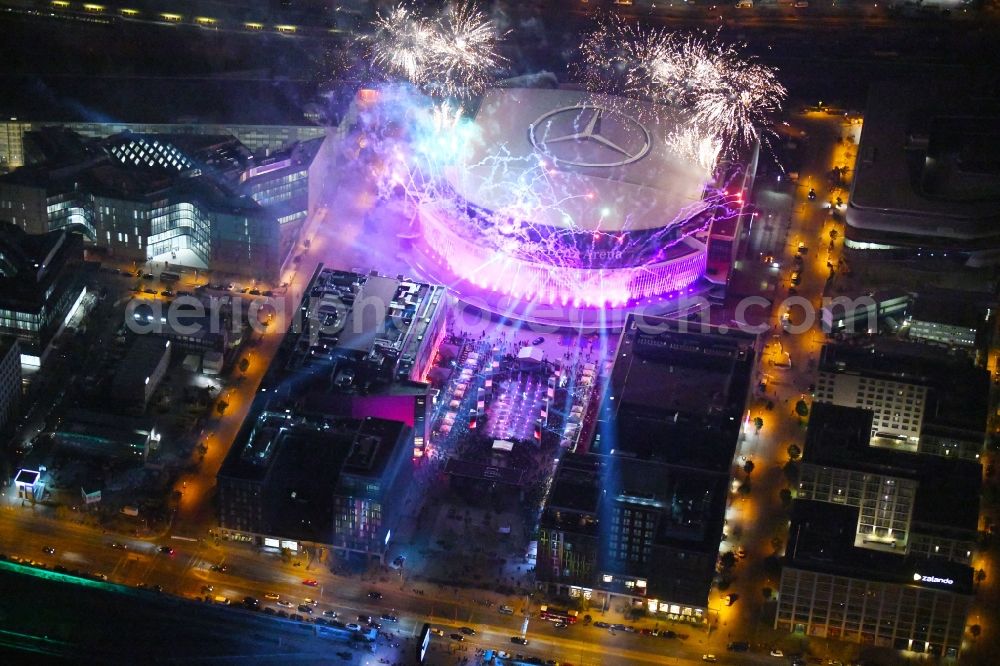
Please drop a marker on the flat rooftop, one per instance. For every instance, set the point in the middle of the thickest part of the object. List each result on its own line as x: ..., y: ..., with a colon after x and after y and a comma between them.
x: 948, y: 488
x: 960, y: 390
x: 676, y: 396
x: 369, y: 327
x: 928, y: 156
x: 821, y: 539
x: 142, y: 358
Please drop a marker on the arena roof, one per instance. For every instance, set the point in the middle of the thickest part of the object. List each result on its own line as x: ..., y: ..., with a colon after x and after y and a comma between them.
x: 578, y: 159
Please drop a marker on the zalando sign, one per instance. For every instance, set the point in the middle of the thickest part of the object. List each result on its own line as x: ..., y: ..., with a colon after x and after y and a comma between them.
x: 918, y: 578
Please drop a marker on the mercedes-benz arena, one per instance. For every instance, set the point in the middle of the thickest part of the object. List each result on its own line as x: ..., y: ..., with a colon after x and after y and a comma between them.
x: 571, y: 198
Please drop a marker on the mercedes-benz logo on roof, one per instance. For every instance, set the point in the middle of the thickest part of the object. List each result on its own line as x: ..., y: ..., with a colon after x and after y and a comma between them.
x: 611, y: 138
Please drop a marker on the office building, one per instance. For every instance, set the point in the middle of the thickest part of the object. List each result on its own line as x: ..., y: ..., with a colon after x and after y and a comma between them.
x: 881, y: 540
x: 40, y: 287
x: 925, y: 184
x: 106, y: 436
x: 921, y: 400
x: 294, y: 481
x: 10, y: 381
x: 951, y: 320
x: 640, y: 518
x: 202, y: 201
x: 140, y: 372
x: 365, y: 345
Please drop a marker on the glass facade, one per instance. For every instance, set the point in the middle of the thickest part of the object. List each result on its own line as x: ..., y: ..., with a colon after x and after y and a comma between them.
x: 891, y: 615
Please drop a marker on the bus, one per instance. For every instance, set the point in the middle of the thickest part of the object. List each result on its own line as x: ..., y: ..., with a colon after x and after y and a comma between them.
x: 557, y: 615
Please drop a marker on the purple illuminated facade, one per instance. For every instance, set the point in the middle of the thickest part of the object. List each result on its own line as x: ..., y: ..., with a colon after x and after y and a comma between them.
x: 493, y: 270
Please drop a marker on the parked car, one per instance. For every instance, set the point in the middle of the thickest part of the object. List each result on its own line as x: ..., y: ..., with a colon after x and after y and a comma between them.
x: 330, y: 613
x: 353, y: 627
x: 457, y: 637
x: 389, y: 617
x: 305, y: 608
x: 374, y: 595
x: 505, y: 610
x: 468, y: 631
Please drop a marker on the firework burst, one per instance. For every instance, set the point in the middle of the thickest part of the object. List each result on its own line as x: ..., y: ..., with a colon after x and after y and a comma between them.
x: 450, y: 55
x: 403, y: 44
x: 722, y: 100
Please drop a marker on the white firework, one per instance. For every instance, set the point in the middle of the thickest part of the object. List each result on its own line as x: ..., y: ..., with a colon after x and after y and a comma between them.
x: 451, y: 55
x: 464, y: 48
x: 721, y: 100
x: 404, y: 44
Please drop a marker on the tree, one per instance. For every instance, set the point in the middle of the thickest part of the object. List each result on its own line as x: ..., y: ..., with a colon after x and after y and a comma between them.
x: 286, y: 555
x: 786, y: 497
x: 794, y: 451
x: 801, y: 408
x: 727, y: 560
x: 833, y: 234
x: 768, y: 593
x: 748, y: 467
x: 244, y: 365
x: 221, y: 407
x: 758, y: 423
x: 980, y: 575
x: 975, y: 630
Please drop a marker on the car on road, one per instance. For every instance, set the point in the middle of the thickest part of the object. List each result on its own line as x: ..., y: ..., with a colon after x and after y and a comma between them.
x: 709, y: 657
x: 100, y: 576
x: 310, y: 582
x: 305, y: 608
x: 273, y: 596
x: 311, y: 602
x: 220, y: 568
x: 166, y: 550
x: 151, y: 292
x: 251, y: 602
x: 539, y: 340
x: 206, y: 589
x: 364, y: 619
x: 284, y: 604
x: 668, y: 634
x: 505, y: 610
x: 353, y: 627
x: 254, y: 292
x: 618, y: 627
x: 437, y: 632
x: 389, y: 617
x: 330, y: 613
x: 812, y: 194
x: 457, y: 637
x: 468, y: 631
x: 560, y: 625
x: 602, y: 625
x: 738, y: 646
x: 118, y: 546
x: 49, y: 550
x: 520, y: 640
x: 374, y: 595
x: 777, y: 653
